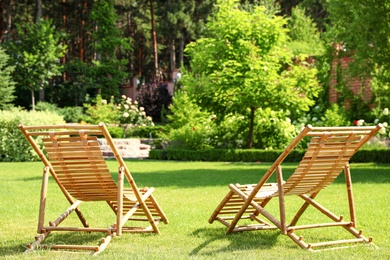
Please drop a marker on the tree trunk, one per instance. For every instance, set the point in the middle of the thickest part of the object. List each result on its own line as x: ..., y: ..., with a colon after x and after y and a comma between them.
x: 82, y: 31
x: 251, y: 126
x: 154, y: 37
x: 32, y: 99
x: 1, y: 20
x: 64, y: 27
x: 172, y: 51
x: 8, y: 25
x: 38, y: 10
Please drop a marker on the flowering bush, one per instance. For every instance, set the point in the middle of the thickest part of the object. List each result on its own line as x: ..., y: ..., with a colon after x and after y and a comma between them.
x: 382, y: 116
x: 130, y: 113
x: 126, y: 113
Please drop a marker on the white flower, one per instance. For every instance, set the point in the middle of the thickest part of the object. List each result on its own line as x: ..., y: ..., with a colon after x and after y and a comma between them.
x: 125, y: 114
x: 386, y: 111
x: 376, y: 121
x: 149, y: 118
x: 136, y: 102
x: 288, y: 120
x: 141, y: 109
x: 143, y: 113
x: 385, y: 124
x: 104, y: 102
x: 128, y: 101
x: 382, y: 131
x: 124, y: 96
x: 126, y: 106
x: 360, y: 122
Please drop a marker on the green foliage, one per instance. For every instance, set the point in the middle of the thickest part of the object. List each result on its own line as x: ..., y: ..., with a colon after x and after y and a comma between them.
x: 71, y: 91
x: 304, y: 36
x: 108, y: 71
x: 184, y: 111
x: 273, y: 130
x: 244, y: 64
x: 335, y: 116
x: 127, y: 114
x: 35, y: 55
x: 258, y: 155
x: 101, y: 111
x: 362, y: 27
x: 189, y: 127
x: 116, y: 131
x: 380, y: 87
x: 70, y: 114
x: 13, y: 145
x: 231, y: 132
x: 147, y: 132
x: 49, y: 107
x: 7, y: 87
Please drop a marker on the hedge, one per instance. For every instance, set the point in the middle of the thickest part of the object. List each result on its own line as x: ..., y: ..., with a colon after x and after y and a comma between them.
x: 255, y: 155
x: 13, y: 145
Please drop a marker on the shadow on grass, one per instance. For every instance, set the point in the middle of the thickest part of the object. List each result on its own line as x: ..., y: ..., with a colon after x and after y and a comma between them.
x: 239, y: 173
x: 60, y: 238
x: 236, y: 241
x: 244, y: 173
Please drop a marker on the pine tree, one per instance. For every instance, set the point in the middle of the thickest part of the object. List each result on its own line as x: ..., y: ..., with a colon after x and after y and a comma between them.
x: 6, y: 84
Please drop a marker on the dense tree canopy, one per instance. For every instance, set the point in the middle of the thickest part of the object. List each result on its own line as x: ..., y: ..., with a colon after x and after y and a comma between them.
x: 244, y: 65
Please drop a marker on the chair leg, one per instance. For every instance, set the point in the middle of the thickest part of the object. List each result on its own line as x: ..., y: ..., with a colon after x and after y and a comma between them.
x: 42, y: 204
x: 348, y: 182
x: 119, y: 212
x: 282, y: 211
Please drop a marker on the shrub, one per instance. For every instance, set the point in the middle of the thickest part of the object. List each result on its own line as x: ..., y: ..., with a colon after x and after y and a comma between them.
x: 335, y: 116
x: 116, y: 131
x: 101, y: 111
x: 273, y: 130
x: 146, y: 132
x: 258, y: 155
x: 72, y: 114
x: 13, y: 145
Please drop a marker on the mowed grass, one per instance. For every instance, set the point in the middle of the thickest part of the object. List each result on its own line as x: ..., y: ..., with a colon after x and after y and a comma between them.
x: 188, y: 192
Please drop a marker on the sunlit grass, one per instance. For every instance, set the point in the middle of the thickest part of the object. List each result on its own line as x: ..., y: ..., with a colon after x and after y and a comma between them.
x: 189, y: 192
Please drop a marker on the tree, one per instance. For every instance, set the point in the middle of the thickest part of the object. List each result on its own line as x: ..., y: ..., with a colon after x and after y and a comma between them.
x: 109, y: 72
x: 7, y: 87
x: 362, y: 27
x: 304, y: 36
x: 244, y: 65
x: 36, y: 56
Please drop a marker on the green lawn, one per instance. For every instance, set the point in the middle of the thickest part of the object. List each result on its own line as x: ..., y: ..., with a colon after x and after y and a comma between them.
x: 189, y: 192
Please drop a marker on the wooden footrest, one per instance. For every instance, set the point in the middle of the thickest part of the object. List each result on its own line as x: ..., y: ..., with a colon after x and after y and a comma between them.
x: 328, y: 243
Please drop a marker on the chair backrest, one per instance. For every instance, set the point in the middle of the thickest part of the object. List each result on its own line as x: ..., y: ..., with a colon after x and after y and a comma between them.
x: 329, y: 151
x: 75, y: 159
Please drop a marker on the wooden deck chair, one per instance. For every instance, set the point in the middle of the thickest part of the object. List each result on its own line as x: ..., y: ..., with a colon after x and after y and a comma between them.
x: 327, y: 155
x: 75, y: 162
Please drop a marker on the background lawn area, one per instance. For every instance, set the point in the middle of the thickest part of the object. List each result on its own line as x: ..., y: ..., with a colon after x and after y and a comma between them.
x: 188, y: 192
